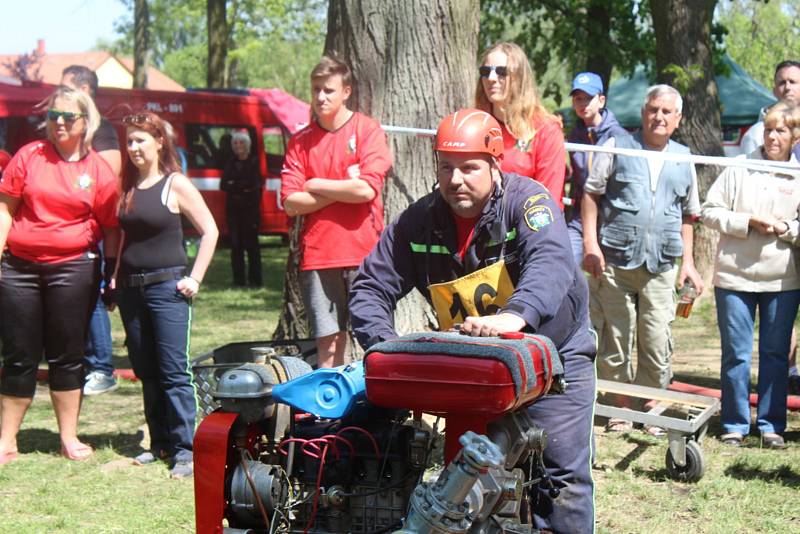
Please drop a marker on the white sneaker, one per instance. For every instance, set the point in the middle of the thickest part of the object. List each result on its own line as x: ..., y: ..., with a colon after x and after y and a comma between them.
x: 98, y: 383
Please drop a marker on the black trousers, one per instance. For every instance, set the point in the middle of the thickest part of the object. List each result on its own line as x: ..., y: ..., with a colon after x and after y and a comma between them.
x: 46, y: 309
x: 244, y: 220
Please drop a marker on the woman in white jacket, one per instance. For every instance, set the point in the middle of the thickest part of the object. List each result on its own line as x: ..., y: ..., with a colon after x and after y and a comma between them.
x: 756, y: 268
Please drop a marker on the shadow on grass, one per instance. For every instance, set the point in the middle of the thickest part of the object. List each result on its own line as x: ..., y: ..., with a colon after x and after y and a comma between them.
x: 47, y: 441
x: 784, y: 474
x: 641, y: 447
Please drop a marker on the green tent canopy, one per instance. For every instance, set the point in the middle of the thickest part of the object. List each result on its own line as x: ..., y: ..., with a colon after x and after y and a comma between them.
x: 740, y: 95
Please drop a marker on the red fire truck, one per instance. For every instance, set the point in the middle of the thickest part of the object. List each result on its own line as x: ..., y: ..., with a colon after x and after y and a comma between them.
x: 203, y: 122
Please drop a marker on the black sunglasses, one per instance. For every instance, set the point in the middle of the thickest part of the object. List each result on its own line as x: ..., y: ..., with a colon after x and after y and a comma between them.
x: 68, y: 116
x: 486, y: 70
x: 138, y: 118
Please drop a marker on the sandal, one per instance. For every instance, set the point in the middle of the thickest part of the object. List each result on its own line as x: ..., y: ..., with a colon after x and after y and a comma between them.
x: 618, y: 425
x: 655, y: 431
x: 76, y: 451
x: 772, y: 441
x: 8, y: 457
x: 732, y: 439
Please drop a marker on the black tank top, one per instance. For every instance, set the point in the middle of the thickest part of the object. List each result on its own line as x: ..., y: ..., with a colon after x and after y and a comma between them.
x: 153, y: 234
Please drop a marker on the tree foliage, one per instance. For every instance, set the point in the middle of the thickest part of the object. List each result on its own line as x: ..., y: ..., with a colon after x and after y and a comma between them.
x: 759, y: 34
x: 578, y: 35
x: 271, y: 43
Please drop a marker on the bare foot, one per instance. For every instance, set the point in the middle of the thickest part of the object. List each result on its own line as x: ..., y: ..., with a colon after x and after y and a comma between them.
x: 76, y: 451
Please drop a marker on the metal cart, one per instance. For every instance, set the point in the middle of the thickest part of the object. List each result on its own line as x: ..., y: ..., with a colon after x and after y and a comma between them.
x: 686, y: 422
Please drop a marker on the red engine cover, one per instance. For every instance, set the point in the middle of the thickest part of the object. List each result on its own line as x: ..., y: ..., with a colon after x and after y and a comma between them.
x: 444, y: 384
x: 439, y: 384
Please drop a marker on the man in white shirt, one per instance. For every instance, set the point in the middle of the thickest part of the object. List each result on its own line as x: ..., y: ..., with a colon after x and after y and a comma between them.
x: 786, y: 86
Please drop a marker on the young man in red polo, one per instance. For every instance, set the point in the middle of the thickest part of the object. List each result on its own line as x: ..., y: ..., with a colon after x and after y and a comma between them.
x: 333, y: 175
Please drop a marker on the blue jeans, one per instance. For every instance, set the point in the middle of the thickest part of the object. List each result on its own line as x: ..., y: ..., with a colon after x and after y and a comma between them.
x: 575, y: 230
x: 98, y: 354
x: 736, y: 316
x: 157, y: 321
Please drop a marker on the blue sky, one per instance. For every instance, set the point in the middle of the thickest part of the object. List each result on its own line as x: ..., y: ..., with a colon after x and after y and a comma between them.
x: 65, y: 25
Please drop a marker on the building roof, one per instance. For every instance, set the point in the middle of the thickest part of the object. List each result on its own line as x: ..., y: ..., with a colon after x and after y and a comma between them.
x: 48, y: 69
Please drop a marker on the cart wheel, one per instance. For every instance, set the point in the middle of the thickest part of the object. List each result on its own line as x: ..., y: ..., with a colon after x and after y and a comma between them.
x: 695, y: 466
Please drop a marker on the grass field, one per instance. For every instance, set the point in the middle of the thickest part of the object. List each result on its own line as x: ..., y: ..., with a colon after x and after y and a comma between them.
x: 746, y: 490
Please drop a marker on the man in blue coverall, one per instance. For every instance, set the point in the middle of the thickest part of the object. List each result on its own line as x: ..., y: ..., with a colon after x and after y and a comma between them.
x: 491, y: 253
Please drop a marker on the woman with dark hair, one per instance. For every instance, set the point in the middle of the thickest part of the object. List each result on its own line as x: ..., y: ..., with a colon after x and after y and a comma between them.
x: 154, y: 291
x: 755, y: 214
x: 58, y: 199
x: 532, y: 137
x: 242, y: 183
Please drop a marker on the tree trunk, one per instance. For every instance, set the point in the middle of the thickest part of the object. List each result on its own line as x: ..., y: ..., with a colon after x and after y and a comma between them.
x: 598, y: 28
x: 292, y: 323
x: 217, y: 42
x: 414, y: 63
x: 141, y: 44
x: 683, y: 39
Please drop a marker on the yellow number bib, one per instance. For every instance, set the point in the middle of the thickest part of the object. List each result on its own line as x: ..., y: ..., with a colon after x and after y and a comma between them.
x: 480, y: 293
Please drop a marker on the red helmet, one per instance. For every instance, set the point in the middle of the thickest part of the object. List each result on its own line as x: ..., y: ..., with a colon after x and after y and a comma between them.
x: 470, y: 130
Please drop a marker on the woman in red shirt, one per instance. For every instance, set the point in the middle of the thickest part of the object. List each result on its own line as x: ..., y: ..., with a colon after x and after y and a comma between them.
x: 58, y: 199
x: 532, y: 137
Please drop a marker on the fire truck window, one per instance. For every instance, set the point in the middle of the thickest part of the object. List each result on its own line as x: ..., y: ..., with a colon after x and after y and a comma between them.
x: 208, y: 146
x: 274, y: 148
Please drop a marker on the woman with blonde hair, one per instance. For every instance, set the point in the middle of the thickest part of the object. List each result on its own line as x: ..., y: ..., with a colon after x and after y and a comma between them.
x: 532, y: 137
x: 58, y: 200
x: 755, y: 214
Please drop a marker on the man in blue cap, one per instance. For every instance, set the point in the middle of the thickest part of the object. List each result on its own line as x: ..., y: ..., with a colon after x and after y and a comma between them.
x: 595, y: 125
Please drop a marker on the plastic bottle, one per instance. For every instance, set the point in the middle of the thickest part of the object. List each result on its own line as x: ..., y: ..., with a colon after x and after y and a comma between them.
x: 686, y: 297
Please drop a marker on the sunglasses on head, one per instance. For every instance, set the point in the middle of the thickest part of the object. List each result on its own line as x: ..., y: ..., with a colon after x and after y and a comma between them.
x: 68, y: 116
x: 486, y: 70
x: 138, y: 118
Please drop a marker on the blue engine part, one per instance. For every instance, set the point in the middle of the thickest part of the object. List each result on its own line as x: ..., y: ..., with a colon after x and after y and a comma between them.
x: 328, y: 393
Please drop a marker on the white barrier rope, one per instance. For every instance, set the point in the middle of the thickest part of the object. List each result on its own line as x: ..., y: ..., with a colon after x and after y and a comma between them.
x: 752, y: 164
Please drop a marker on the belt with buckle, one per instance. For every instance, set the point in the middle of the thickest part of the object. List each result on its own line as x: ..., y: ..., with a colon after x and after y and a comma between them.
x: 145, y: 279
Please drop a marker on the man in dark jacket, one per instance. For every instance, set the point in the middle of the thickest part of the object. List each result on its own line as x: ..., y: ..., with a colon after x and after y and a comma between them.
x: 490, y: 252
x: 595, y: 124
x: 243, y: 184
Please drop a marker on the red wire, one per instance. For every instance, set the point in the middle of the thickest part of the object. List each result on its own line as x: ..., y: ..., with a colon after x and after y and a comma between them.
x: 297, y: 440
x: 317, y: 443
x: 372, y: 439
x: 325, y: 442
x: 316, y: 492
x: 336, y: 437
